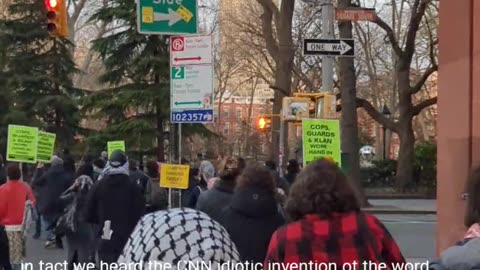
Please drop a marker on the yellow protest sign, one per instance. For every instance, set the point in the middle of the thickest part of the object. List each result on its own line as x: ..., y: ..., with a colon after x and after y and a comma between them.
x: 321, y: 139
x: 22, y: 144
x: 174, y: 176
x: 45, y: 147
x: 116, y: 145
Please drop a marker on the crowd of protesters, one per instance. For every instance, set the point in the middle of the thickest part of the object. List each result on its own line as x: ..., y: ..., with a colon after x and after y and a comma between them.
x: 110, y: 210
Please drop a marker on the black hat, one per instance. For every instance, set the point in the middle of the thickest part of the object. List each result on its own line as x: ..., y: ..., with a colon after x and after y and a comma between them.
x: 118, y: 159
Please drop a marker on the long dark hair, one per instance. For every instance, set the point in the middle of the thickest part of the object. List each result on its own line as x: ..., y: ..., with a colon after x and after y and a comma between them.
x: 472, y: 214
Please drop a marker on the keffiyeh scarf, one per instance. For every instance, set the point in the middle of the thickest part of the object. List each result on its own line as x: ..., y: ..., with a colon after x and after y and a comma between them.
x: 473, y: 231
x: 177, y: 236
x: 110, y: 170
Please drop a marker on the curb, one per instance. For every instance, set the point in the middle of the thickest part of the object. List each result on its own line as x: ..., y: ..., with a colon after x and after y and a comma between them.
x: 400, y: 211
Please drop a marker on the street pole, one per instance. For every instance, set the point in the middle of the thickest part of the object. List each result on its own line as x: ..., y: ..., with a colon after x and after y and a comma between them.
x: 281, y: 147
x: 327, y: 33
x: 384, y: 142
x: 179, y: 143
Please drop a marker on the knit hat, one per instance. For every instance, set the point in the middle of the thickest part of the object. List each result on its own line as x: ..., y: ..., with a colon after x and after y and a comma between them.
x: 56, y: 161
x: 177, y: 236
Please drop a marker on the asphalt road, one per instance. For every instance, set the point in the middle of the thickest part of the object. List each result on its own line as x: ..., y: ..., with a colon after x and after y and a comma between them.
x: 415, y: 234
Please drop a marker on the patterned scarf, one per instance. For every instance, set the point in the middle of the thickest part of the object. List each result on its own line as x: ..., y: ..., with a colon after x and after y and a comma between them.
x: 473, y: 232
x: 179, y: 235
x: 110, y: 170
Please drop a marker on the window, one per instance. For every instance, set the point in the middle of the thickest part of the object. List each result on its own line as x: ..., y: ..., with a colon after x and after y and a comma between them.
x: 226, y: 129
x: 215, y: 112
x: 239, y: 113
x: 226, y: 111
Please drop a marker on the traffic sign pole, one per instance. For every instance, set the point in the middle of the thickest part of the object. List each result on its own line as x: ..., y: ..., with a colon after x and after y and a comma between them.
x: 327, y: 33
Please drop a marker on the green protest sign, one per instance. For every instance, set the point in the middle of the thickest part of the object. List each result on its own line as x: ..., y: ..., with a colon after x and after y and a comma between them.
x: 321, y: 139
x: 22, y: 144
x: 45, y: 147
x: 116, y: 145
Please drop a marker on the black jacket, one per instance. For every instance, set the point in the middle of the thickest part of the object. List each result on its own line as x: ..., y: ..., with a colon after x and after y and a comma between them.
x: 3, y: 175
x: 117, y: 199
x: 48, y: 189
x: 212, y: 201
x: 251, y: 219
x: 4, y: 250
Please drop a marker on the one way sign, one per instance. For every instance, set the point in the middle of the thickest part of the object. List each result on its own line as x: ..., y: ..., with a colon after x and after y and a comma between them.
x: 338, y: 47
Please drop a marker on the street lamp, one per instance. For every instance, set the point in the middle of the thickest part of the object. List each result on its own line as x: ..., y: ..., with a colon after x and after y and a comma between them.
x: 386, y: 112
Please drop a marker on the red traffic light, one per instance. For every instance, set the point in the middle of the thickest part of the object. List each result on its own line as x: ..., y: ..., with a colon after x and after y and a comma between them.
x: 51, y: 4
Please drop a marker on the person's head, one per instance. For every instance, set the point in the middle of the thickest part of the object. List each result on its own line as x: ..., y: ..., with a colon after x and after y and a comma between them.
x: 104, y: 155
x: 293, y: 166
x: 229, y: 169
x: 321, y: 189
x: 99, y: 163
x: 271, y: 165
x: 132, y: 165
x: 206, y: 170
x: 13, y: 172
x: 472, y: 196
x: 56, y: 161
x: 85, y: 169
x: 152, y: 169
x: 117, y: 159
x: 255, y: 176
x: 66, y: 151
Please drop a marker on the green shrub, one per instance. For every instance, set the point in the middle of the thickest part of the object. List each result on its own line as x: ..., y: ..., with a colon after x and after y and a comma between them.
x: 426, y: 164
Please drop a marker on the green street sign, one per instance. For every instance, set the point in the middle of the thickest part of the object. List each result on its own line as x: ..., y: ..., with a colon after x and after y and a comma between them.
x: 167, y: 17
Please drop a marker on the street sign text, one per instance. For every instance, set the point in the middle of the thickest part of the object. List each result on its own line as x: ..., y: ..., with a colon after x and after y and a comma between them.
x: 356, y: 14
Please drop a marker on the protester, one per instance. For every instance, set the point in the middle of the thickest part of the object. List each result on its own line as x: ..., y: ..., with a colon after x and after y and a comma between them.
x: 464, y: 255
x: 104, y: 156
x: 3, y: 174
x: 4, y: 250
x: 68, y: 162
x: 49, y: 187
x: 212, y: 201
x: 191, y: 194
x: 137, y: 177
x: 116, y: 204
x: 293, y: 168
x: 282, y: 184
x: 79, y: 234
x: 98, y: 166
x: 16, y: 200
x: 198, y: 238
x: 39, y: 172
x: 328, y: 225
x: 206, y: 172
x: 253, y: 215
x: 156, y: 197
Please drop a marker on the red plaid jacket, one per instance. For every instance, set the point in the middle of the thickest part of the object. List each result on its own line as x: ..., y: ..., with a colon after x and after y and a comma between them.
x: 342, y: 238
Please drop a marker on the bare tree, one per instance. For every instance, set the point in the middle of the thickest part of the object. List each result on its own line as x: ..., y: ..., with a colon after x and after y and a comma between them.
x: 404, y: 50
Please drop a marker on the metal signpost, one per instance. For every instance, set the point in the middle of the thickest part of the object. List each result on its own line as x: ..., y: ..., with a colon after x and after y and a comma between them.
x: 167, y: 17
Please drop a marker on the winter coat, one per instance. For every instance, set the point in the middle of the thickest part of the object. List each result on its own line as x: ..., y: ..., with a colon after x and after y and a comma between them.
x: 251, y: 219
x: 4, y: 250
x: 463, y: 256
x: 116, y: 199
x: 156, y: 197
x: 214, y: 200
x: 290, y: 177
x: 48, y: 189
x: 81, y: 239
x: 140, y: 179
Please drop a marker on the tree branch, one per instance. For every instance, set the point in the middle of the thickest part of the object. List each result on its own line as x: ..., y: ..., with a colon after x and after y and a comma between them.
x: 417, y: 109
x: 376, y: 115
x: 267, y: 28
x: 391, y: 36
x: 418, y: 11
x: 418, y: 86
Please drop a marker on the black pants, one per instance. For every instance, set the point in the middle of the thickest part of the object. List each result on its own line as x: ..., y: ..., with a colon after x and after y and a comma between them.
x: 4, y: 250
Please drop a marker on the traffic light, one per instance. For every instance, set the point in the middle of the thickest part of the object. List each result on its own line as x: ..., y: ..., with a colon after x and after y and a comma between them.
x: 264, y: 123
x: 57, y: 18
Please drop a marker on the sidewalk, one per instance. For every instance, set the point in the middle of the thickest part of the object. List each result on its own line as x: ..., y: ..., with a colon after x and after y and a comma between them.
x: 404, y: 206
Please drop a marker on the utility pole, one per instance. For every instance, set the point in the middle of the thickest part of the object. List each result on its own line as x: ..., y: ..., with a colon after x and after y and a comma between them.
x: 327, y: 33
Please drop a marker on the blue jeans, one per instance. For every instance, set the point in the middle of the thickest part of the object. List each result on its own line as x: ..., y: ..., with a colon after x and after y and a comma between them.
x: 16, y: 267
x: 47, y: 227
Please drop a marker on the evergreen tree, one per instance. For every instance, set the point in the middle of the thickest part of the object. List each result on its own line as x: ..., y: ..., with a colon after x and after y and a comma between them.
x: 37, y: 73
x: 136, y: 101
